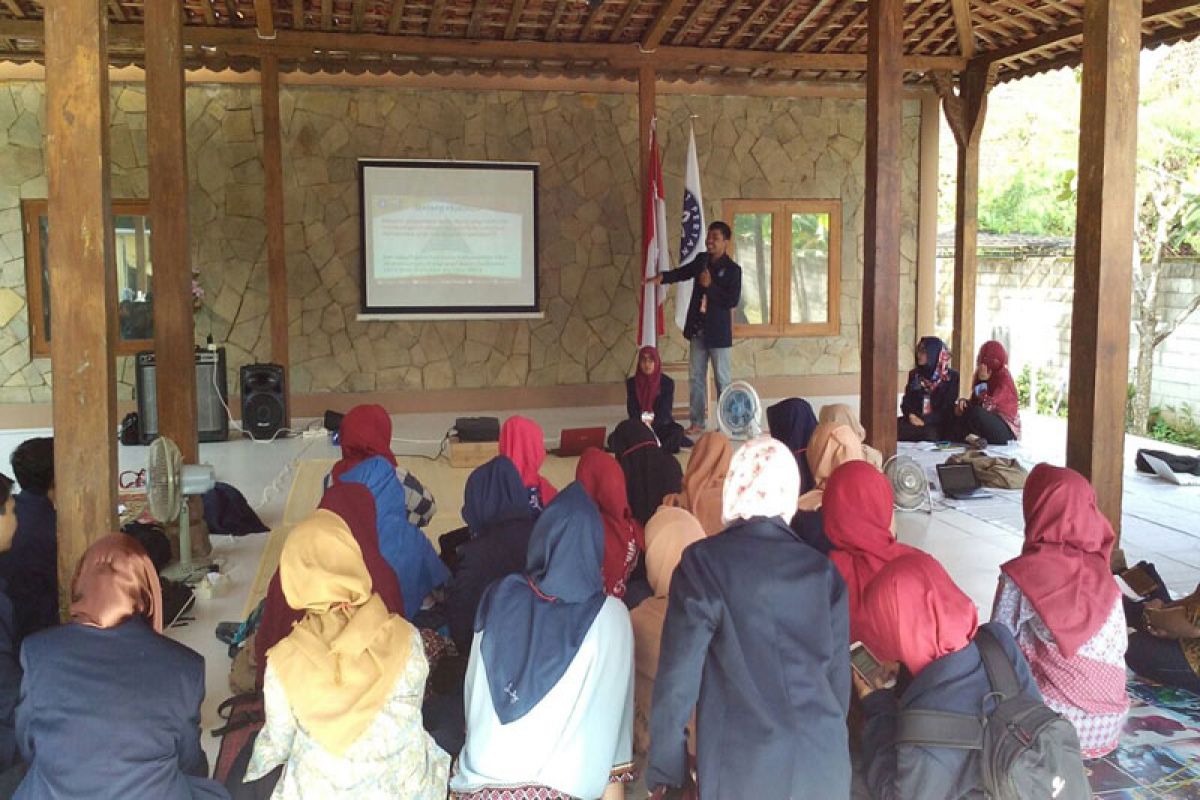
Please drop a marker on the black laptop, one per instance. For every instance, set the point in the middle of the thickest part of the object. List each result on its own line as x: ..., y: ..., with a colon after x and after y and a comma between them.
x: 959, y: 481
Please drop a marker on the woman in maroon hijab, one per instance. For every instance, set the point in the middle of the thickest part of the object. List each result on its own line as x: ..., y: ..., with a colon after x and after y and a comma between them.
x: 650, y: 397
x: 992, y: 412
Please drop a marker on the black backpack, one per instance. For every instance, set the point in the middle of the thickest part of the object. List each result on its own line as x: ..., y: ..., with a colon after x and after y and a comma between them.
x: 1027, y: 750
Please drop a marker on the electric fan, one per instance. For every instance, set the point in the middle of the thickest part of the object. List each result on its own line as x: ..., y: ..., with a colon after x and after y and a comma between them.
x: 168, y: 483
x: 739, y: 411
x: 910, y: 485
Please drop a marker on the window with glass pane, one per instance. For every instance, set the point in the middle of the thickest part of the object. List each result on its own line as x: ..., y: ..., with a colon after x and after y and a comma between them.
x: 752, y: 243
x: 809, y: 286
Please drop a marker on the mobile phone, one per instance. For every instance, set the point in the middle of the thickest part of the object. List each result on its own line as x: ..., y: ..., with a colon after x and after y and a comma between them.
x: 866, y: 665
x: 1141, y: 581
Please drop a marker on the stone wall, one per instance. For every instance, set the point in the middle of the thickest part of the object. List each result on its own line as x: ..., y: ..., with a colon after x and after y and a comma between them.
x: 1026, y: 302
x: 589, y: 202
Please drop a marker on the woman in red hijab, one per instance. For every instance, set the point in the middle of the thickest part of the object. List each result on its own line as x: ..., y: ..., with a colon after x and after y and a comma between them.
x: 602, y: 479
x: 354, y: 503
x: 1061, y: 602
x: 920, y: 619
x: 366, y: 434
x: 523, y: 443
x: 857, y: 509
x: 650, y: 397
x: 992, y: 412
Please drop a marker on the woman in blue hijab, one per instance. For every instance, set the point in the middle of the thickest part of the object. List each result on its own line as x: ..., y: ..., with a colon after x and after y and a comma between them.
x: 792, y: 422
x: 927, y: 410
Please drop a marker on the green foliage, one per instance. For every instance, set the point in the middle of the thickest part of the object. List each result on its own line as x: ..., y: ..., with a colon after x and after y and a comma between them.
x: 1051, y: 399
x: 1031, y: 202
x: 1179, y: 426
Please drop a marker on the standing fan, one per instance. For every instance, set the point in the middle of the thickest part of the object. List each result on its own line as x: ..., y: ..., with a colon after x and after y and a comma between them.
x: 910, y: 485
x: 168, y: 482
x: 739, y: 411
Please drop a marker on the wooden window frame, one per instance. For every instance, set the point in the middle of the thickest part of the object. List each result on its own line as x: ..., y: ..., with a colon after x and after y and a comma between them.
x: 781, y: 269
x: 33, y: 209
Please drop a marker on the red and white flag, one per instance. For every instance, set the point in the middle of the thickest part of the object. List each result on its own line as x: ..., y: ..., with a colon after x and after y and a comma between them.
x: 655, y: 258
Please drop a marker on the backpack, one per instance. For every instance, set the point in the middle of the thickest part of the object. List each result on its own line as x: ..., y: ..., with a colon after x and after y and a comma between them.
x: 1027, y: 750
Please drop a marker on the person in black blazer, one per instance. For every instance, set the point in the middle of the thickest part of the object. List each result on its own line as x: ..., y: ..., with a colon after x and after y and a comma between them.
x: 109, y: 707
x: 650, y: 397
x: 709, y: 325
x: 11, y: 768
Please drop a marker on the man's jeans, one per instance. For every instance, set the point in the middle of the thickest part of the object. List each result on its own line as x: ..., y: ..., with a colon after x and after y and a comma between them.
x: 699, y: 356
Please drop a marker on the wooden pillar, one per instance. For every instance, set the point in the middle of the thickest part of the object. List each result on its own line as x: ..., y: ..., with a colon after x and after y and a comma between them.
x: 1104, y: 248
x: 965, y: 113
x: 277, y: 283
x: 82, y: 278
x: 927, y: 216
x: 881, y: 269
x: 166, y: 137
x: 647, y: 101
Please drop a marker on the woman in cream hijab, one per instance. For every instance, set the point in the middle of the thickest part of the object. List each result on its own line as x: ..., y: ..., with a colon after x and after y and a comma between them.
x: 704, y: 480
x: 343, y: 690
x: 843, y: 414
x: 832, y: 445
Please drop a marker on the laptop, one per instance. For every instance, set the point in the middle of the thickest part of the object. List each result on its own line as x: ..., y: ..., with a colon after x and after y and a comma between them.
x: 1164, y: 471
x: 959, y: 481
x: 573, y: 441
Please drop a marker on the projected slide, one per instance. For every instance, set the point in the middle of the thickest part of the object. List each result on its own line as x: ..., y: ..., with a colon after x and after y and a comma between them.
x: 449, y: 237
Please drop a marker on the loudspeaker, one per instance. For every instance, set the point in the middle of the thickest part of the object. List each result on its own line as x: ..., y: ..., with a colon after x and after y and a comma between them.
x: 212, y: 394
x: 264, y: 400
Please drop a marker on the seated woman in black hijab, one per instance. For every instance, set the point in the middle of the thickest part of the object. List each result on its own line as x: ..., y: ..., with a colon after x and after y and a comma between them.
x: 927, y: 410
x: 650, y: 396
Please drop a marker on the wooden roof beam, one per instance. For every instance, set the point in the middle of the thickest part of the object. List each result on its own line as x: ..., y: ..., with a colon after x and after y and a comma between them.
x: 662, y: 22
x: 851, y: 25
x: 14, y: 8
x: 396, y: 17
x: 264, y: 19
x: 326, y: 15
x: 962, y: 23
x: 720, y: 22
x: 116, y: 12
x: 358, y: 14
x: 510, y: 30
x: 552, y: 28
x: 630, y: 8
x: 754, y: 14
x: 802, y: 24
x: 830, y: 18
x: 592, y: 17
x: 774, y: 22
x: 436, y: 14
x: 681, y: 34
x: 298, y: 15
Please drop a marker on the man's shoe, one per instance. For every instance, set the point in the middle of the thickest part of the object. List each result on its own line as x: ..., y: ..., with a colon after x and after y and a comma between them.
x: 695, y: 430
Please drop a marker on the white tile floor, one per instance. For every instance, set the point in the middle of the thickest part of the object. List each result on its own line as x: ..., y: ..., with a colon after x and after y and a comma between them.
x: 1161, y: 523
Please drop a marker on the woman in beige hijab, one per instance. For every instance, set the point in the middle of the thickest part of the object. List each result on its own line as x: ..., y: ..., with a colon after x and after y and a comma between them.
x: 832, y: 445
x: 844, y: 415
x: 343, y: 690
x: 704, y: 480
x: 668, y: 533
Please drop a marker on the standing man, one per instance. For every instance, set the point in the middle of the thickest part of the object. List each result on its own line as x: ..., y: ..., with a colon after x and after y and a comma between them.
x: 709, y: 326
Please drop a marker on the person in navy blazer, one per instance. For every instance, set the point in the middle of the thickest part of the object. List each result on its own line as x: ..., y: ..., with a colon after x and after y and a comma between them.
x: 109, y: 707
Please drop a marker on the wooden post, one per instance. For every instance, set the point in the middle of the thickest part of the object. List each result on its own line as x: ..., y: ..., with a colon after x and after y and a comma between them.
x: 277, y: 282
x: 1104, y: 248
x: 927, y: 217
x: 881, y: 270
x: 166, y: 137
x: 965, y: 113
x: 82, y: 278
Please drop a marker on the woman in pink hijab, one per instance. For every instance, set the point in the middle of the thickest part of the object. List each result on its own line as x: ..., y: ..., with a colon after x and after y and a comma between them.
x: 523, y: 443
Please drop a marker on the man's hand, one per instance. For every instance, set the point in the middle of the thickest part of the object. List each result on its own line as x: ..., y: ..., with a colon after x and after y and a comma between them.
x: 915, y: 420
x: 656, y: 280
x: 705, y: 279
x: 960, y: 407
x: 883, y: 679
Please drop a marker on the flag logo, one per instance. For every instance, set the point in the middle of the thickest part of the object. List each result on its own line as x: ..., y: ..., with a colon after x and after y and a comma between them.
x: 693, y: 224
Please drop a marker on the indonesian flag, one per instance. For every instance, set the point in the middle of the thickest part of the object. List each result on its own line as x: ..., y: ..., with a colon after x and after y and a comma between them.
x: 655, y: 258
x: 691, y: 240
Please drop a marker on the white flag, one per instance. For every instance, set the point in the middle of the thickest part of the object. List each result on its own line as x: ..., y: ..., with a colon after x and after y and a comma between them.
x: 691, y: 241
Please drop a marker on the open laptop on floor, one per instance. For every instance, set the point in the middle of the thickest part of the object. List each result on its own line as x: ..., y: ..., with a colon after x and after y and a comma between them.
x: 1164, y: 471
x: 573, y: 441
x: 959, y: 482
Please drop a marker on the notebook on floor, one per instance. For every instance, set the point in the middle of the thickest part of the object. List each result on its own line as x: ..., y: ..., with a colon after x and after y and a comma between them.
x: 573, y: 441
x: 1162, y: 470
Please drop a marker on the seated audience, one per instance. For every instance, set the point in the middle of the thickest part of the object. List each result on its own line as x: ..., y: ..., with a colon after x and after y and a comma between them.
x: 499, y: 521
x: 1061, y: 602
x: 792, y: 422
x: 668, y: 533
x: 756, y: 640
x: 857, y: 512
x: 110, y: 708
x: 31, y: 566
x: 832, y: 444
x: 651, y: 473
x: 10, y: 667
x: 650, y: 398
x: 600, y: 476
x: 366, y: 433
x: 921, y: 620
x: 1168, y: 655
x: 842, y: 414
x: 992, y: 411
x: 523, y: 443
x: 343, y: 690
x: 549, y: 690
x: 356, y: 507
x: 367, y: 459
x: 704, y: 480
x: 927, y: 409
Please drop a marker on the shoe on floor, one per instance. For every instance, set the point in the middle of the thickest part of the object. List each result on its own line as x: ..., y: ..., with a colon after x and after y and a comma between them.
x: 695, y: 430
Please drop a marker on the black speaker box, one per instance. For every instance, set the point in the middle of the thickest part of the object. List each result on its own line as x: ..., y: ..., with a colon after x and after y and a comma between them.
x: 264, y: 400
x: 212, y: 396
